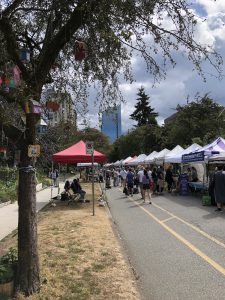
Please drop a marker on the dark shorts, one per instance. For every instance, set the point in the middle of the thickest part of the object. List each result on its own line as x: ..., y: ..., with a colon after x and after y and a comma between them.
x: 130, y: 185
x: 146, y: 187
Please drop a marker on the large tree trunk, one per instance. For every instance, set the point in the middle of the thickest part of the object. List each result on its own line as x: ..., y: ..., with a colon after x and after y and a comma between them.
x: 28, y: 280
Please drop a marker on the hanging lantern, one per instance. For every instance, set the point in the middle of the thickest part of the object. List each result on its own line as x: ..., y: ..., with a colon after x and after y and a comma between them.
x: 3, y: 152
x: 80, y: 50
x: 54, y: 106
x: 25, y: 54
x: 32, y: 106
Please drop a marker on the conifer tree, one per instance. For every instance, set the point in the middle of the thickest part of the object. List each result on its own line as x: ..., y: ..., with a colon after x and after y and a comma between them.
x: 144, y: 114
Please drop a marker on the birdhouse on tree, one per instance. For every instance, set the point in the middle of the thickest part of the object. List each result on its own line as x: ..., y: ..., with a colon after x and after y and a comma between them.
x: 80, y: 50
x: 25, y: 54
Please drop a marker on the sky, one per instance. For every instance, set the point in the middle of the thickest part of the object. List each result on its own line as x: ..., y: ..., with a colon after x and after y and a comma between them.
x: 181, y: 82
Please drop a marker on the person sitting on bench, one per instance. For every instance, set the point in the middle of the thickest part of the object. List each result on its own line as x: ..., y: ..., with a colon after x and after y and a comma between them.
x: 76, y: 188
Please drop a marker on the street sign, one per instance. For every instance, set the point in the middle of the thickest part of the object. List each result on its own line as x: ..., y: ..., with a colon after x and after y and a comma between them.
x: 89, y: 147
x: 34, y: 150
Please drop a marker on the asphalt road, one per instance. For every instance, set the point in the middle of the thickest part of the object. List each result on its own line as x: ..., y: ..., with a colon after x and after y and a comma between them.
x: 175, y: 245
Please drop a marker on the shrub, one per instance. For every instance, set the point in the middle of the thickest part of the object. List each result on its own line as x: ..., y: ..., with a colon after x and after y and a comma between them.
x: 8, y: 265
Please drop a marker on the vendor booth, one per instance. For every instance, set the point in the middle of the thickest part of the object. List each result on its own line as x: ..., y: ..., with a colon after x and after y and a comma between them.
x: 159, y: 158
x: 138, y: 160
x: 77, y: 154
x: 150, y: 158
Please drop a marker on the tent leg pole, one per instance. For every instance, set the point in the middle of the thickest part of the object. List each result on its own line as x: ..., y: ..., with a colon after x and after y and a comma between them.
x: 93, y: 187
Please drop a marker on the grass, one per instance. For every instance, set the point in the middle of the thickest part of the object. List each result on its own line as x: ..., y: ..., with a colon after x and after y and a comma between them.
x: 80, y: 258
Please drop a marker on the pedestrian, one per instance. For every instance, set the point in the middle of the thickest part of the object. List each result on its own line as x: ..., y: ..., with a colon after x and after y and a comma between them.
x: 169, y: 178
x: 154, y: 180
x: 140, y: 177
x: 160, y: 181
x: 130, y: 182
x: 146, y: 180
x: 115, y: 178
x: 123, y: 176
x: 194, y: 175
x: 219, y: 188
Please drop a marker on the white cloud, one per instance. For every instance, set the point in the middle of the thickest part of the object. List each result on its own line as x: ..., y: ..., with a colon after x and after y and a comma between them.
x: 181, y: 81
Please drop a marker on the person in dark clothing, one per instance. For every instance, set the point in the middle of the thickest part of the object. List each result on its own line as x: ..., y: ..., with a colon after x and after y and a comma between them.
x: 219, y: 188
x: 67, y: 186
x: 155, y: 179
x: 76, y: 188
x: 169, y: 178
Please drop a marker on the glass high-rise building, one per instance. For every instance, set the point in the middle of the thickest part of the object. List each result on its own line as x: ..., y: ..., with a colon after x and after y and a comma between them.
x: 111, y: 123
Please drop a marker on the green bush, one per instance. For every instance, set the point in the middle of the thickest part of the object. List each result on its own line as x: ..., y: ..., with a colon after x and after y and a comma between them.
x: 8, y: 265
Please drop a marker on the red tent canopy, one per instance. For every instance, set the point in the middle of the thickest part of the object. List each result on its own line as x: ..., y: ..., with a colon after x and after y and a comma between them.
x: 77, y: 154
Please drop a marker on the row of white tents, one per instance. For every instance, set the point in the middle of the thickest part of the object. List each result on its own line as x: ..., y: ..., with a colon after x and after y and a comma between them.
x: 195, y: 153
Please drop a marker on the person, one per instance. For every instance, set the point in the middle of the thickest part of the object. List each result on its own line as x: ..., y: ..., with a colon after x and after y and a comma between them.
x: 123, y: 176
x: 219, y: 188
x: 140, y: 176
x: 194, y: 175
x: 160, y: 181
x: 146, y: 186
x: 115, y: 178
x: 169, y: 178
x: 130, y: 182
x: 107, y: 179
x: 76, y: 188
x: 67, y: 186
x: 54, y: 176
x: 189, y: 174
x: 154, y: 179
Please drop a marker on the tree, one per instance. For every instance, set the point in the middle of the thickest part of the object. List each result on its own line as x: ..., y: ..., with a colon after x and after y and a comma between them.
x: 143, y: 139
x: 112, y: 30
x: 200, y: 119
x: 143, y: 113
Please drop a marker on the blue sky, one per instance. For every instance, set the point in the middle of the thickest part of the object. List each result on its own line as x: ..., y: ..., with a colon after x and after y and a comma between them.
x: 181, y: 82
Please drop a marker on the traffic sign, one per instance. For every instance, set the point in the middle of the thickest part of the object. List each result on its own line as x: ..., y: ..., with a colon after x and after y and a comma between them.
x: 89, y: 147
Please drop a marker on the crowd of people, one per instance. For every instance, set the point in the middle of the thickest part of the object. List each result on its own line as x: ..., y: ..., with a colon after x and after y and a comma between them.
x: 152, y: 181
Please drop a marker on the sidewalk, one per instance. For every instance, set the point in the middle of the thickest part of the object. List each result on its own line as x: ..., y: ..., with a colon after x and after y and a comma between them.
x: 9, y: 213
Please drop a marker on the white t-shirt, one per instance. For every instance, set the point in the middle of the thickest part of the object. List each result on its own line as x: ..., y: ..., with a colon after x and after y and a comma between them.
x: 123, y: 174
x: 140, y: 175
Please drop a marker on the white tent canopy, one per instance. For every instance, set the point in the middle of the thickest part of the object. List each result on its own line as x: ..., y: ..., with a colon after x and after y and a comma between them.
x: 118, y: 163
x: 174, y: 154
x: 150, y: 157
x: 137, y: 160
x: 159, y: 158
x: 125, y: 160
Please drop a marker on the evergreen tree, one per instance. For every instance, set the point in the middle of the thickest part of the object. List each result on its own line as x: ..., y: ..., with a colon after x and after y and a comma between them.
x: 143, y: 113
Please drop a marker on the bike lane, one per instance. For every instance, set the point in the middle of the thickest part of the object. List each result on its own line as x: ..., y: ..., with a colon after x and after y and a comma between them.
x: 172, y: 257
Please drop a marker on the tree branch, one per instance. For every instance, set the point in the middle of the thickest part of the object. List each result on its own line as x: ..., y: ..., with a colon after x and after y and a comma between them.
x: 12, y: 47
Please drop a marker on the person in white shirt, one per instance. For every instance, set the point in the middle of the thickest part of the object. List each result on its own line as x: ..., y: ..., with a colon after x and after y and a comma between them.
x: 123, y: 176
x: 140, y: 177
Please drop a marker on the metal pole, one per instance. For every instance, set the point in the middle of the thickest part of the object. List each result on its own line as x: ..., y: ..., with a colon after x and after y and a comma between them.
x: 93, y: 186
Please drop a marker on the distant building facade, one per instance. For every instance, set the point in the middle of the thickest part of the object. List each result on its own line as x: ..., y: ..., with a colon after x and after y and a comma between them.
x: 65, y: 112
x: 111, y: 123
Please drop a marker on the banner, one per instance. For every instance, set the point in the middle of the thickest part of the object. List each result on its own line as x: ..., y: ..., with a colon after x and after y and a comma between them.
x: 192, y: 157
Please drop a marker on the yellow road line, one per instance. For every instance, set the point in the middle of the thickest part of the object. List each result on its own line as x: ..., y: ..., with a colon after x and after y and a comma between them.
x: 210, y: 261
x: 191, y: 226
x: 168, y: 219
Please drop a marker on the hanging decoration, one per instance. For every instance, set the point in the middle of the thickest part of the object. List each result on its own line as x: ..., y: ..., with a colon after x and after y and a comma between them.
x: 80, y: 50
x: 9, y: 78
x: 52, y: 105
x: 25, y: 54
x: 32, y: 106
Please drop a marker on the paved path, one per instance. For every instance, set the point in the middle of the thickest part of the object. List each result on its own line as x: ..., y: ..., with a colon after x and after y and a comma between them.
x: 9, y: 213
x: 176, y: 245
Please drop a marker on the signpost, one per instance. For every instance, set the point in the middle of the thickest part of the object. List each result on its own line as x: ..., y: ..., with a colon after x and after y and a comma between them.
x: 90, y: 150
